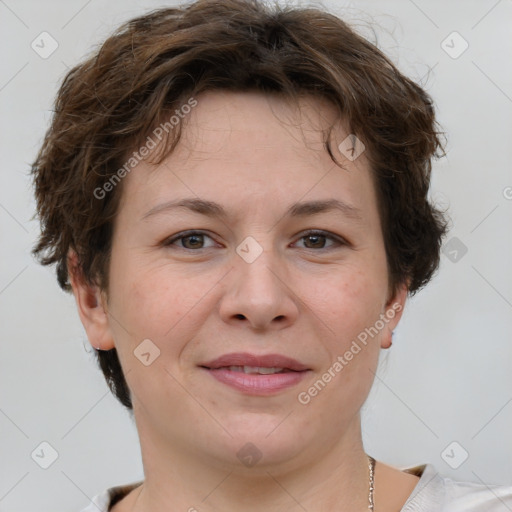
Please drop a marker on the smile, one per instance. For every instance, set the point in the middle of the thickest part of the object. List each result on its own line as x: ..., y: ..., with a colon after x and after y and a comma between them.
x: 256, y: 369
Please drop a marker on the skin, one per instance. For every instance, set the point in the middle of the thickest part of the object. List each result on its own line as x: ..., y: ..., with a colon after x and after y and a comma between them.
x: 196, y: 299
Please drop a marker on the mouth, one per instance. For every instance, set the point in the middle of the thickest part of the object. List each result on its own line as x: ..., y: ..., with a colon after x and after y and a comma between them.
x: 256, y: 374
x: 252, y: 370
x: 252, y: 363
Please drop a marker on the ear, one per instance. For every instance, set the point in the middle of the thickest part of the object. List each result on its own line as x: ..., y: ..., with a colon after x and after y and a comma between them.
x: 392, y: 313
x: 92, y: 306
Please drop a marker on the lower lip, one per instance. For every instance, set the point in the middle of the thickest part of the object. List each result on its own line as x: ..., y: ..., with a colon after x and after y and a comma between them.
x: 257, y: 384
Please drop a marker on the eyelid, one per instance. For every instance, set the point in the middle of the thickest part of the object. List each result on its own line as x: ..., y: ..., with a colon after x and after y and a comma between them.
x: 184, y: 234
x: 327, y: 234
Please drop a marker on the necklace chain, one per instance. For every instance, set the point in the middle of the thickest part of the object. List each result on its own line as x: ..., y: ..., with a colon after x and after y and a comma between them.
x: 371, y: 468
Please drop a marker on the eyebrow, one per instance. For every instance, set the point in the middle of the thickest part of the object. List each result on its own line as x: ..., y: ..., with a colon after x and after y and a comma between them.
x: 212, y: 209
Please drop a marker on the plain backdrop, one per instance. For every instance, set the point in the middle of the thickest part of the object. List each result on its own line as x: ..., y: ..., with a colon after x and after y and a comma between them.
x: 444, y: 390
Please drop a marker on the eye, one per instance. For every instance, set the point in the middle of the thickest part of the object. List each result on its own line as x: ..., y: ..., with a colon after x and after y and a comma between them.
x: 190, y: 240
x: 315, y: 239
x: 195, y: 240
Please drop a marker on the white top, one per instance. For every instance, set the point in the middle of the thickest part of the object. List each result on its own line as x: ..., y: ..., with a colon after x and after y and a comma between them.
x: 433, y: 493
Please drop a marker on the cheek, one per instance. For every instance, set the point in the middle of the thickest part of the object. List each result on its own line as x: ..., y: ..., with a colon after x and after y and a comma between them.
x: 150, y: 300
x: 352, y: 306
x: 350, y: 301
x: 150, y: 306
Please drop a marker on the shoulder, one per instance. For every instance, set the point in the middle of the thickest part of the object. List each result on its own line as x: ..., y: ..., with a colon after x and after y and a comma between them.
x: 108, y: 498
x: 435, y: 492
x: 471, y: 497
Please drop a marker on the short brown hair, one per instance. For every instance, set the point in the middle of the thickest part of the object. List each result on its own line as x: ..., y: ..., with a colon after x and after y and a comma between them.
x: 152, y: 64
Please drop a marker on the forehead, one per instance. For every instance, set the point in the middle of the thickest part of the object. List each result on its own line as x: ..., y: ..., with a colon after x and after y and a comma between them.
x: 252, y: 146
x: 254, y: 118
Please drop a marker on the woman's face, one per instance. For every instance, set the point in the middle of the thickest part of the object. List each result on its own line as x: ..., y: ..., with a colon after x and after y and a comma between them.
x: 191, y: 313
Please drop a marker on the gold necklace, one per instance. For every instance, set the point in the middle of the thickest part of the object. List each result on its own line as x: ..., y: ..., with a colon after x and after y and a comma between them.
x: 371, y: 468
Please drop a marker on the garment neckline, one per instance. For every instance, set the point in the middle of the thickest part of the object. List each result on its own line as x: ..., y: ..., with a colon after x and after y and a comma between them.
x: 425, y: 472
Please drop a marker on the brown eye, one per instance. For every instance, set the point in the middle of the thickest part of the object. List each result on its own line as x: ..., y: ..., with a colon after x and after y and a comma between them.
x: 314, y: 241
x: 320, y: 240
x: 191, y: 240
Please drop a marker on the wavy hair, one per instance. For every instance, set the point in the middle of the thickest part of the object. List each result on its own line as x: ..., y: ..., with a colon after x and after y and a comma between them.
x: 109, y: 103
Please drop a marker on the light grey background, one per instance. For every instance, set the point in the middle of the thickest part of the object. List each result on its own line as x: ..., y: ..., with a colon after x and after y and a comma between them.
x: 447, y: 377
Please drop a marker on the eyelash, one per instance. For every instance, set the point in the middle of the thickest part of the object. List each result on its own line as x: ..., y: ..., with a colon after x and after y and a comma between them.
x: 312, y: 232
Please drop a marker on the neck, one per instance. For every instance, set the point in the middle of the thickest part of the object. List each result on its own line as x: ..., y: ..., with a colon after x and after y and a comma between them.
x: 178, y: 479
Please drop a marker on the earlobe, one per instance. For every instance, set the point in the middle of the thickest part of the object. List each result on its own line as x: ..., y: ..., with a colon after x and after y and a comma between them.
x: 91, y: 307
x: 393, y: 312
x: 387, y: 340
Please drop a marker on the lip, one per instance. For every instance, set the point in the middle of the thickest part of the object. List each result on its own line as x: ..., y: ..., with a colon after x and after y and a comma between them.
x: 262, y: 361
x: 256, y: 384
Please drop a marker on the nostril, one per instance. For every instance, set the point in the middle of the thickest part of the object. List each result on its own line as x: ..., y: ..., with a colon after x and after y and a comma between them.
x: 240, y: 316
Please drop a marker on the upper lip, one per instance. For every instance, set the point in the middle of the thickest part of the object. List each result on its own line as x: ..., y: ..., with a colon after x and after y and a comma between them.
x: 260, y: 361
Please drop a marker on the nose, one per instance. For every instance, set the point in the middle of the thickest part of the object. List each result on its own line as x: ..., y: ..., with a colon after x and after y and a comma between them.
x: 258, y: 295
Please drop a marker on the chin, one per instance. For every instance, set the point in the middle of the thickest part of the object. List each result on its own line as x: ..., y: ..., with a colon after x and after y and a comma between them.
x: 264, y: 444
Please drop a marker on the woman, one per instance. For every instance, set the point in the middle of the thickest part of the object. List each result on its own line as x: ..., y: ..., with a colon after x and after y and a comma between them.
x: 237, y: 197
